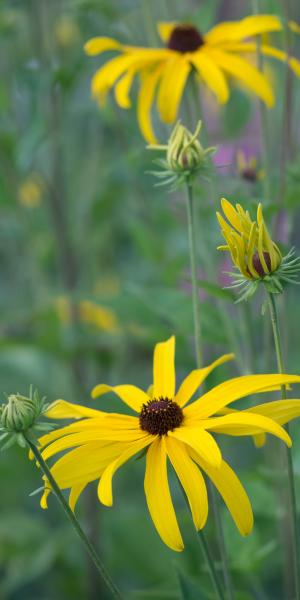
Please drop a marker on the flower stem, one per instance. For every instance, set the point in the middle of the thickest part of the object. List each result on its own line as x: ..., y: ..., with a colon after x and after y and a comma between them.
x: 199, y: 360
x: 115, y: 593
x: 292, y: 513
x: 211, y: 566
x: 193, y: 261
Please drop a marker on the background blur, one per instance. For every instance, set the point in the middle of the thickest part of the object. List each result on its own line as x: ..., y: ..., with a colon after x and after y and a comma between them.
x: 82, y: 225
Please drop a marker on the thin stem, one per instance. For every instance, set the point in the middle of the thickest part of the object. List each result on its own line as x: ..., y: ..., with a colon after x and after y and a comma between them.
x: 199, y: 360
x: 115, y: 593
x: 292, y: 513
x: 193, y: 261
x: 210, y: 565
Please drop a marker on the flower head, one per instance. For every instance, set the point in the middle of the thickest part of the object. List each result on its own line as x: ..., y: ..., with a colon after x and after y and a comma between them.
x: 185, y: 156
x: 21, y: 415
x: 247, y: 167
x: 215, y: 56
x: 167, y: 429
x: 253, y: 252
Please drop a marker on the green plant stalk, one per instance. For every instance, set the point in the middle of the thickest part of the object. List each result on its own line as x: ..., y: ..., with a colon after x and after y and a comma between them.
x: 199, y: 360
x: 292, y: 513
x: 115, y: 593
x: 210, y: 565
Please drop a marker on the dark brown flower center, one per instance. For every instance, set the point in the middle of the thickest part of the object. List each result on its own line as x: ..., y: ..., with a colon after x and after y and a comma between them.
x: 249, y: 174
x: 185, y: 38
x: 160, y: 416
x: 256, y: 262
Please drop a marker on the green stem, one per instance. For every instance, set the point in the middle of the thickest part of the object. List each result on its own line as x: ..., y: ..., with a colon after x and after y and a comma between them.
x: 210, y: 565
x: 71, y: 516
x: 193, y: 261
x: 292, y: 513
x: 199, y: 360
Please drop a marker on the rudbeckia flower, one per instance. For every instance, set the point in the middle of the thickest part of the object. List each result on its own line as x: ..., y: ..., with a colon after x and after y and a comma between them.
x: 248, y: 168
x: 167, y: 429
x: 215, y: 56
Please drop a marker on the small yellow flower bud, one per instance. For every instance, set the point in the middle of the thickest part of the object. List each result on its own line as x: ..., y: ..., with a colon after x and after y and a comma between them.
x: 20, y: 414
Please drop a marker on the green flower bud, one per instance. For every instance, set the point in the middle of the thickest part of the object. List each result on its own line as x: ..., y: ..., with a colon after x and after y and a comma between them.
x: 185, y: 156
x: 20, y: 415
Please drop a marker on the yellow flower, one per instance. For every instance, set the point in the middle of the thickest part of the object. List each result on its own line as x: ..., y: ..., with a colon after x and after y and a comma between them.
x: 66, y: 31
x: 88, y: 312
x: 215, y: 56
x: 31, y: 190
x: 249, y: 243
x: 247, y: 168
x: 166, y: 428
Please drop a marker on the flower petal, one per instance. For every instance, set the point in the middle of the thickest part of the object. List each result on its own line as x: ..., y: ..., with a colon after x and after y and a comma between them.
x: 145, y: 100
x: 97, y: 45
x: 234, y: 389
x: 171, y: 87
x: 60, y: 409
x: 164, y: 369
x: 191, y: 383
x: 251, y: 77
x: 232, y: 492
x: 108, y: 74
x: 123, y: 87
x: 212, y: 76
x: 158, y: 496
x: 201, y: 441
x: 75, y: 492
x: 282, y: 411
x: 105, y: 484
x: 191, y: 480
x: 165, y: 29
x: 130, y: 394
x: 243, y: 423
x: 235, y: 31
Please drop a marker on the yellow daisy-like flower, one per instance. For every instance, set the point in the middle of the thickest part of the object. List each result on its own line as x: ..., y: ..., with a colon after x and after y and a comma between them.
x: 168, y: 429
x: 248, y: 168
x: 215, y: 56
x: 252, y: 250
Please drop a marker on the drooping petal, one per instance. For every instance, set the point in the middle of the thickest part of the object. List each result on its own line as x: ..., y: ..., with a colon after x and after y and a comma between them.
x: 244, y: 423
x: 234, y: 389
x: 201, y: 441
x: 97, y: 45
x: 164, y: 369
x: 75, y: 492
x: 232, y: 492
x: 158, y: 496
x: 148, y: 85
x: 123, y: 87
x: 266, y: 51
x: 130, y: 394
x: 171, y: 87
x: 60, y: 409
x: 251, y: 77
x: 86, y: 463
x: 236, y: 31
x: 191, y: 480
x: 84, y: 424
x: 97, y: 435
x: 212, y: 76
x: 282, y: 411
x: 105, y: 484
x: 191, y: 383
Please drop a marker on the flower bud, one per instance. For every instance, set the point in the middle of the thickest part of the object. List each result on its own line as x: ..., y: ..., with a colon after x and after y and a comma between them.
x: 20, y: 415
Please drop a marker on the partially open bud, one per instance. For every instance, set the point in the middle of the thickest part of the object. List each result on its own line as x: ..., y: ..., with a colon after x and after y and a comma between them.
x: 185, y: 156
x: 21, y: 414
x: 255, y: 255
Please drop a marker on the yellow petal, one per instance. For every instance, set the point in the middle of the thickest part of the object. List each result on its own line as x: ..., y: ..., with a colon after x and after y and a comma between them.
x: 130, y: 394
x: 201, y: 441
x: 232, y: 492
x: 165, y: 30
x: 60, y: 409
x: 123, y: 87
x: 164, y: 369
x: 294, y: 26
x: 44, y: 498
x: 266, y: 50
x: 158, y: 496
x: 86, y: 463
x: 191, y: 383
x: 282, y: 411
x: 101, y: 44
x: 171, y: 87
x: 145, y: 101
x: 211, y: 75
x: 76, y: 427
x: 105, y: 484
x: 235, y: 31
x: 75, y: 492
x: 243, y: 423
x: 231, y: 214
x: 251, y: 77
x: 234, y: 389
x: 191, y: 480
x: 107, y: 75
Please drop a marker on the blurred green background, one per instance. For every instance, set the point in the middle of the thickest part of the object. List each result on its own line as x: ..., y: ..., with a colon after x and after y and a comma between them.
x: 82, y: 224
